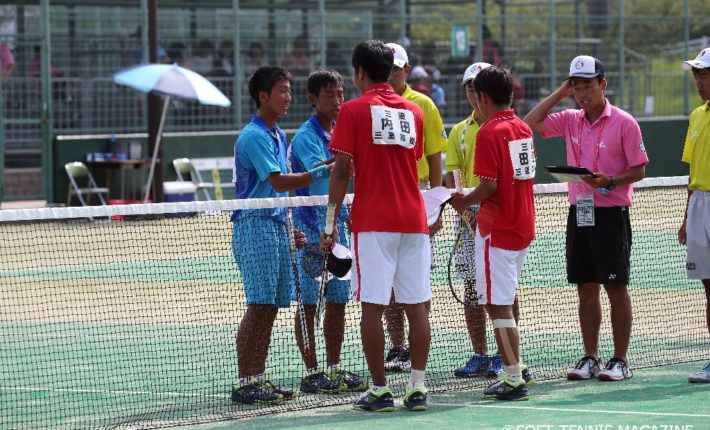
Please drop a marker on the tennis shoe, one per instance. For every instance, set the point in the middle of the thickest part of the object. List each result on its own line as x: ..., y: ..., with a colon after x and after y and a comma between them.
x: 701, y: 376
x: 398, y: 360
x: 415, y: 399
x: 477, y: 365
x: 255, y: 393
x: 527, y: 375
x: 495, y: 367
x: 587, y: 367
x: 319, y: 382
x: 348, y: 381
x: 505, y: 389
x: 616, y: 369
x: 375, y: 400
x: 283, y: 392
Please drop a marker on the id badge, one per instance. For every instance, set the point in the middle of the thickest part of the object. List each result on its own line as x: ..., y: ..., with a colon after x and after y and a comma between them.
x: 585, y: 210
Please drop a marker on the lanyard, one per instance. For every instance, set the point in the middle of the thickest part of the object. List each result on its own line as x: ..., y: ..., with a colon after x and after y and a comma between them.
x: 578, y: 147
x: 463, y: 149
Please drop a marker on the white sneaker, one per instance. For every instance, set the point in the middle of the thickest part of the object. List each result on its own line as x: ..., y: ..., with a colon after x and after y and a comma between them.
x: 616, y: 369
x: 587, y: 367
x: 701, y: 376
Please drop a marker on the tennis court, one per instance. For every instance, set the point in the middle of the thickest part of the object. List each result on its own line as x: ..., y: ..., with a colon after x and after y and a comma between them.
x: 131, y: 324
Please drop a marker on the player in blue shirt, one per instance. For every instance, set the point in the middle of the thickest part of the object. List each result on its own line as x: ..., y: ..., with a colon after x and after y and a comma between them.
x: 309, y: 147
x: 260, y: 241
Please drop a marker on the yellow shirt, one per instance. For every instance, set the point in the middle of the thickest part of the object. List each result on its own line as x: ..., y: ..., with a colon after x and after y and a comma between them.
x: 697, y: 148
x: 456, y: 151
x: 434, y: 133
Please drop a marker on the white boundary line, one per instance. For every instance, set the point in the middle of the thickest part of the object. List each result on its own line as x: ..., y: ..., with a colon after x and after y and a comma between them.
x: 591, y: 411
x: 117, y: 392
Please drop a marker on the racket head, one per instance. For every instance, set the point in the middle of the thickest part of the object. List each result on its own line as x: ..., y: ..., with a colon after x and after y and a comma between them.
x: 461, y: 267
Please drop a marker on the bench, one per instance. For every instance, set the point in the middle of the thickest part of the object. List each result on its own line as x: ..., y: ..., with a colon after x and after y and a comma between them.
x: 215, y: 166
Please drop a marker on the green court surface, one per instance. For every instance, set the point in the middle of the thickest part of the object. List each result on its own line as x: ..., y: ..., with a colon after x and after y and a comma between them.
x: 654, y: 399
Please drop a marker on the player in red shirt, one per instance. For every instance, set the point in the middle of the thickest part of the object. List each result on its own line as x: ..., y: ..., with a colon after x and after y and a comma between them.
x: 505, y: 164
x: 381, y: 134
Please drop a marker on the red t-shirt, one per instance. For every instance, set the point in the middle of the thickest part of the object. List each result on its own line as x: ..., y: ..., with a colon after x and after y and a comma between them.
x: 382, y: 132
x: 505, y: 154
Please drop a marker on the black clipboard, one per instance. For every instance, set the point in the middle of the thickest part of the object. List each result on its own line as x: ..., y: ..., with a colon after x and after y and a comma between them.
x: 568, y: 173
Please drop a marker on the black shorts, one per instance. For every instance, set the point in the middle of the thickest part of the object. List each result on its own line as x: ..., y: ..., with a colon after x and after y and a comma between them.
x: 602, y: 253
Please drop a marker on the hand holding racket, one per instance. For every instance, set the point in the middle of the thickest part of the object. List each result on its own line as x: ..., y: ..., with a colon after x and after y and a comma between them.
x: 299, y: 298
x: 328, y: 233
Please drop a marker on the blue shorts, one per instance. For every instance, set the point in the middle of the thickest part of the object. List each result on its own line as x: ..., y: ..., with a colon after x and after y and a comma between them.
x: 261, y: 251
x: 337, y: 291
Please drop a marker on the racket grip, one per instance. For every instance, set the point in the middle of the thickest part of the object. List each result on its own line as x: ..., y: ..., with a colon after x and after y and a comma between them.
x: 457, y: 181
x: 329, y: 219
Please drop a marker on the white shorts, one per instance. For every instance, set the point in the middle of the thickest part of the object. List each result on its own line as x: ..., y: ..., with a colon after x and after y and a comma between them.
x: 383, y: 261
x: 697, y: 230
x: 497, y: 272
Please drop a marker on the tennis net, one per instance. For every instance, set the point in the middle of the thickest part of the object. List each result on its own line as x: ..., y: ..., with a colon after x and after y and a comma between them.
x: 125, y: 316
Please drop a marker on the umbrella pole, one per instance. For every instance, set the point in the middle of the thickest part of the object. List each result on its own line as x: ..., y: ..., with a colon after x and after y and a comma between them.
x: 158, y: 138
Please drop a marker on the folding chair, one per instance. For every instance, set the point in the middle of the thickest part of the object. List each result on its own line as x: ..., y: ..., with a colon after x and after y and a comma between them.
x: 183, y: 168
x: 77, y: 171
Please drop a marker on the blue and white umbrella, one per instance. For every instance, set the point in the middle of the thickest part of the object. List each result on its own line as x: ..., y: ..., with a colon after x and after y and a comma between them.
x: 169, y: 81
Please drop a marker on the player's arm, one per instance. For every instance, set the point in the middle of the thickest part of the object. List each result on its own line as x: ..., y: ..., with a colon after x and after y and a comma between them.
x: 336, y: 194
x: 435, y: 170
x: 602, y: 180
x: 484, y: 190
x: 536, y: 117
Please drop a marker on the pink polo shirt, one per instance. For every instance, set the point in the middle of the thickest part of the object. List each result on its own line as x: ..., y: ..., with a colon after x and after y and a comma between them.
x: 612, y: 145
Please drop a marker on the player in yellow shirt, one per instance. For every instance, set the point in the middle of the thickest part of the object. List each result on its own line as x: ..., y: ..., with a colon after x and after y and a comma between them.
x: 459, y: 156
x: 430, y: 176
x: 695, y: 230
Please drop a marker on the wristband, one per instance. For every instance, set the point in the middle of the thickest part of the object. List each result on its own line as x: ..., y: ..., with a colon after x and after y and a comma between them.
x: 318, y: 174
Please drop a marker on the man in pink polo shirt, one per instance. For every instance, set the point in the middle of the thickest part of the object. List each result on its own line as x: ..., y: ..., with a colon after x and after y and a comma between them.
x: 607, y: 141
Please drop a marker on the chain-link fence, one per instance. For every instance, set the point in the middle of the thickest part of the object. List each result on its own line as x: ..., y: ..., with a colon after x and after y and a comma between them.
x: 642, y: 44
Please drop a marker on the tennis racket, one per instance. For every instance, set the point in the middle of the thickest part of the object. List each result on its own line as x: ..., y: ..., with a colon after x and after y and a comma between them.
x: 320, y: 307
x: 461, y: 268
x: 299, y: 299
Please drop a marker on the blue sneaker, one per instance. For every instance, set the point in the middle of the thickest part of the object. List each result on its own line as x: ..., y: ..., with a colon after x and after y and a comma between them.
x: 249, y: 394
x: 476, y: 366
x: 415, y: 399
x: 495, y: 367
x: 375, y: 400
x: 505, y: 389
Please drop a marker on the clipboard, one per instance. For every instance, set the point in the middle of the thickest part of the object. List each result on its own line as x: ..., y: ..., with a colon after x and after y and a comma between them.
x: 568, y: 173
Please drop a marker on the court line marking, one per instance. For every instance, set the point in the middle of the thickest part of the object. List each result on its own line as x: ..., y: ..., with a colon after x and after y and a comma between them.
x: 116, y: 392
x: 593, y: 411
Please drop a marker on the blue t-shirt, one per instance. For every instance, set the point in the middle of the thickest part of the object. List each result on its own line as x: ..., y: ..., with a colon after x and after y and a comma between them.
x: 259, y: 152
x: 309, y: 147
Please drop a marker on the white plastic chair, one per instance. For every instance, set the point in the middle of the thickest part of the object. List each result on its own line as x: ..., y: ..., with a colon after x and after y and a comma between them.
x: 77, y: 171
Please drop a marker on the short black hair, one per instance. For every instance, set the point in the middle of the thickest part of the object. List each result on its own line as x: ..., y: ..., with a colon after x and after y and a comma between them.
x: 264, y: 79
x: 375, y: 58
x: 321, y: 79
x: 496, y: 83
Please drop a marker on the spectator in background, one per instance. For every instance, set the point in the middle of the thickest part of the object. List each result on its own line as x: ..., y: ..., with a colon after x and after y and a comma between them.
x: 136, y: 55
x: 255, y: 58
x: 335, y: 60
x: 535, y: 86
x: 177, y: 54
x: 297, y: 61
x: 224, y: 63
x: 438, y: 94
x: 492, y: 51
x: 518, y: 91
x: 202, y: 62
x: 7, y: 59
x: 420, y: 80
x: 34, y: 69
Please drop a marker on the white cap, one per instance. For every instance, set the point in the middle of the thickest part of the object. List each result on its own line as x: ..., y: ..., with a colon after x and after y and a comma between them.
x: 400, y: 55
x: 585, y: 66
x: 473, y: 70
x: 702, y: 61
x: 418, y: 72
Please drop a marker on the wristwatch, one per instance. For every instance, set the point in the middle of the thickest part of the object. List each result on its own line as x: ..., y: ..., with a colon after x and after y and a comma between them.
x: 609, y: 188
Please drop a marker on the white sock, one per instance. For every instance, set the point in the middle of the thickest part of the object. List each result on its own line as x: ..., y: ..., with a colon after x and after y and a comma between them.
x: 416, y: 378
x: 333, y: 368
x: 378, y: 387
x: 312, y: 371
x: 513, y: 372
